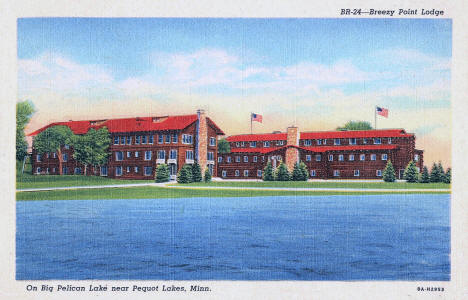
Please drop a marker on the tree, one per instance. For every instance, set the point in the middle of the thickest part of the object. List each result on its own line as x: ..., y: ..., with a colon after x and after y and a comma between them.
x: 441, y: 172
x: 282, y: 174
x: 207, y: 177
x: 91, y: 149
x: 389, y: 173
x: 24, y: 112
x: 436, y: 175
x: 297, y: 173
x: 162, y: 173
x: 52, y: 139
x: 425, y: 175
x: 304, y: 170
x: 268, y: 174
x: 448, y: 176
x: 196, y: 173
x: 185, y: 174
x: 355, y: 125
x: 223, y: 146
x: 411, y: 173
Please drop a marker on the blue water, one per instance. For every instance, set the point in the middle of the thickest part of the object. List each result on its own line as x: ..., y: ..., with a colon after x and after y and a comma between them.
x: 385, y: 237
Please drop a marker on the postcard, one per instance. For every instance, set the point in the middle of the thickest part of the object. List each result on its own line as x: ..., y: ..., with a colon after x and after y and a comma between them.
x: 186, y: 154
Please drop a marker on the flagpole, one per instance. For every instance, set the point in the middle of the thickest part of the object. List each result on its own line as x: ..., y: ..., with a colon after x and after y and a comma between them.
x: 375, y: 117
x: 250, y: 123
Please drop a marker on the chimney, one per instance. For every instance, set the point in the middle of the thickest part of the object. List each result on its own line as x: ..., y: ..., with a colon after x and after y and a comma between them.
x: 292, y: 153
x: 202, y: 140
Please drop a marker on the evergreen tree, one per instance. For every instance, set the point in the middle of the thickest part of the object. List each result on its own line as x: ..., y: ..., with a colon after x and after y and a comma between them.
x: 441, y: 172
x: 162, y: 173
x: 435, y: 174
x: 411, y: 173
x: 185, y: 174
x: 448, y: 176
x: 282, y: 174
x: 297, y: 174
x: 268, y: 172
x: 196, y: 173
x: 207, y: 177
x: 24, y: 112
x: 389, y: 173
x: 425, y: 176
x: 304, y: 170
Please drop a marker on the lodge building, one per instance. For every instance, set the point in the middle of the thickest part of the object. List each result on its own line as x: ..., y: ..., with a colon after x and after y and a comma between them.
x: 138, y: 145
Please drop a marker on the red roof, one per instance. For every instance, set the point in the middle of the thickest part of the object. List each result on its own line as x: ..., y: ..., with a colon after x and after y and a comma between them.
x: 254, y: 150
x: 354, y: 134
x: 131, y: 124
x: 354, y: 147
x: 257, y: 137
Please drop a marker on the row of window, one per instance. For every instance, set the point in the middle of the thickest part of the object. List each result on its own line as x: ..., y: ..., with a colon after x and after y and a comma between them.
x: 237, y: 173
x: 351, y: 141
x: 65, y: 170
x: 356, y: 173
x: 161, y: 154
x: 162, y: 139
x: 351, y: 157
x: 238, y: 159
x: 266, y: 144
x: 147, y: 170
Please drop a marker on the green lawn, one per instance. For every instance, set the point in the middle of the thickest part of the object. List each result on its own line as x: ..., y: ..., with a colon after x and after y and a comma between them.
x: 324, y: 184
x: 146, y: 192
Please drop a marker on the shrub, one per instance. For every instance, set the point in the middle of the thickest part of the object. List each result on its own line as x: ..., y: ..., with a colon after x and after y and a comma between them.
x: 297, y: 174
x: 389, y: 173
x: 424, y: 175
x: 305, y: 172
x: 282, y: 174
x: 268, y: 173
x: 196, y: 173
x: 411, y: 172
x: 207, y: 177
x: 162, y: 173
x: 448, y: 176
x: 185, y: 174
x: 436, y: 175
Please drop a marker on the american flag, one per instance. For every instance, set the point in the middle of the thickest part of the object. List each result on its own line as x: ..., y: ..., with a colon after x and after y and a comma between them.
x: 382, y: 111
x: 256, y: 117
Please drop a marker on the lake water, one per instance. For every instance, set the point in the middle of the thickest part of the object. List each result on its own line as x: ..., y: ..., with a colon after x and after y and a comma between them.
x: 384, y: 237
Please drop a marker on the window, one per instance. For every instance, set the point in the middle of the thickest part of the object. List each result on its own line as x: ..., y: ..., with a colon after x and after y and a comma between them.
x: 362, y: 157
x: 384, y: 156
x: 129, y: 140
x: 47, y: 155
x: 129, y: 154
x: 364, y: 141
x: 237, y: 158
x: 168, y: 138
x: 160, y: 139
x: 161, y: 154
x: 53, y: 170
x: 237, y: 144
x: 175, y: 138
x: 325, y: 141
x: 253, y: 144
x: 151, y: 139
x: 352, y: 141
x: 263, y: 158
x: 65, y: 157
x: 336, y: 173
x: 351, y: 157
x: 187, y: 139
x: 128, y: 169
x: 54, y: 155
x: 66, y: 146
x: 246, y: 158
x: 38, y: 170
x: 341, y: 157
x: 64, y: 170
x: 389, y: 140
x: 377, y: 141
x: 228, y: 159
x: 356, y: 173
x: 212, y: 141
x: 148, y: 171
x: 308, y: 157
x: 38, y: 158
x: 259, y: 173
x: 279, y: 158
x: 254, y: 159
x: 280, y: 143
x: 210, y: 156
x: 378, y: 173
x: 144, y: 139
x: 220, y: 159
x: 122, y: 140
x: 189, y: 154
x: 266, y: 144
x: 318, y: 157
x: 330, y: 157
x: 313, y: 173
x: 118, y: 155
x: 237, y: 173
x: 104, y: 171
x: 137, y: 153
x: 337, y: 142
x: 242, y: 144
x: 148, y: 155
x: 136, y: 169
x: 223, y: 173
x: 246, y: 173
x: 416, y: 157
x: 173, y: 154
x: 137, y: 140
x: 373, y: 157
x: 116, y: 140
x: 319, y: 142
x: 118, y: 171
x: 308, y: 143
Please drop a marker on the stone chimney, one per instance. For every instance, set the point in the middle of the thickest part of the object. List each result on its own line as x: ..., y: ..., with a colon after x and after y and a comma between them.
x: 292, y: 153
x: 202, y: 140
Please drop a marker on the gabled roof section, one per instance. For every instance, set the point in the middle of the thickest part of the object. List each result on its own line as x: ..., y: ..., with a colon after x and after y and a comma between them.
x: 131, y: 124
x: 354, y: 134
x: 258, y: 137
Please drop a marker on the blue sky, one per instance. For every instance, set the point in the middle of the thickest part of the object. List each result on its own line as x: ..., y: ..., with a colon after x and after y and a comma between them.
x: 314, y: 72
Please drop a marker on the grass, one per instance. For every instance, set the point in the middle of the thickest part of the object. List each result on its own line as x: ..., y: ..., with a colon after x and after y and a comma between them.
x: 146, y: 192
x: 324, y: 184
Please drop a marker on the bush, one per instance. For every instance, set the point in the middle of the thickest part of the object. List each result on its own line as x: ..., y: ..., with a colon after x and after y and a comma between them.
x: 424, y: 175
x: 185, y: 174
x: 305, y: 172
x: 389, y: 173
x: 436, y: 175
x: 207, y: 177
x: 282, y: 174
x: 448, y: 176
x: 268, y: 173
x: 297, y: 173
x: 162, y: 173
x: 411, y: 172
x: 196, y: 173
